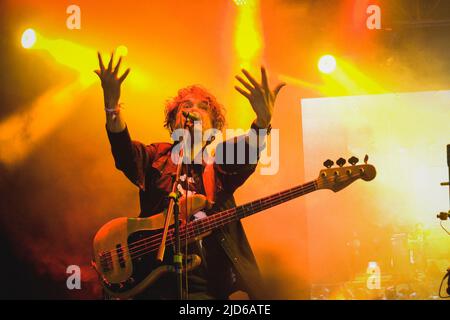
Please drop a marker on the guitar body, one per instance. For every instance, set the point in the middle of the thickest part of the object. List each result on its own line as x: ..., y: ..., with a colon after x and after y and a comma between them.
x: 121, y: 256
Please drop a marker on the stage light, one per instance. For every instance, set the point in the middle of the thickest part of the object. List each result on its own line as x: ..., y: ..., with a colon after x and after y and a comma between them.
x: 121, y: 51
x: 240, y: 2
x: 53, y: 106
x: 28, y: 38
x: 248, y: 39
x: 248, y: 45
x: 327, y: 64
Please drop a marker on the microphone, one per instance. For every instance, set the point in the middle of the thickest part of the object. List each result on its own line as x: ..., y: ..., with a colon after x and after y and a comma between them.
x: 191, y: 116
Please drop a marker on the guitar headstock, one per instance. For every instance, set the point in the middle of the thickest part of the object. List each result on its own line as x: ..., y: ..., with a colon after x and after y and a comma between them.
x: 340, y: 177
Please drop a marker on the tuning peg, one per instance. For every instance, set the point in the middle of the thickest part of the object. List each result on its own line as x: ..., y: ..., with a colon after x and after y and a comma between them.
x: 353, y: 160
x: 340, y: 162
x: 328, y: 164
x: 366, y: 158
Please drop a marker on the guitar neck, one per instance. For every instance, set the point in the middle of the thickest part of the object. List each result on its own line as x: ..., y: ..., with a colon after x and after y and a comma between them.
x: 217, y: 220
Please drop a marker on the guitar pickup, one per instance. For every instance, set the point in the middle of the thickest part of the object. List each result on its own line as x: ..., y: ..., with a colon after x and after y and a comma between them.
x: 106, y: 261
x: 119, y: 251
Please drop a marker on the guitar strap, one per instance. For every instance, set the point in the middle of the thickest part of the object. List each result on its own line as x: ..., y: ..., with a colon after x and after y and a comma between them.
x: 209, y: 182
x: 208, y: 175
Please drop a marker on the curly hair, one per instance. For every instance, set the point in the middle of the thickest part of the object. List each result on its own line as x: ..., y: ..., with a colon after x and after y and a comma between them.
x: 216, y: 110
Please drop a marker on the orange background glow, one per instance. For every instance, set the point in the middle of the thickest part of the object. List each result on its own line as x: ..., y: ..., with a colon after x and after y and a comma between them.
x: 55, y: 160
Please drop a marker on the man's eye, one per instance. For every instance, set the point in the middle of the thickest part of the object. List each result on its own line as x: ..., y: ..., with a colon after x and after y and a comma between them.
x: 204, y: 105
x: 186, y: 105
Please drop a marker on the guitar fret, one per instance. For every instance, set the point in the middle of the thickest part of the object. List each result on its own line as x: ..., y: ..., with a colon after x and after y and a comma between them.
x: 218, y: 219
x: 198, y: 227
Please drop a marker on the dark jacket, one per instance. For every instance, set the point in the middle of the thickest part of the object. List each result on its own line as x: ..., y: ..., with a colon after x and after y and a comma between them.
x: 150, y: 168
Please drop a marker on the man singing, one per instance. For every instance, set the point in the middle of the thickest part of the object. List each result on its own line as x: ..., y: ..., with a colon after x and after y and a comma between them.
x: 227, y: 261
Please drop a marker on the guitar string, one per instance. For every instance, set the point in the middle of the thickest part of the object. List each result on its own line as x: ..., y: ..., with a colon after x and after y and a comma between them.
x: 191, y: 233
x: 230, y: 216
x: 213, y: 219
x: 225, y: 212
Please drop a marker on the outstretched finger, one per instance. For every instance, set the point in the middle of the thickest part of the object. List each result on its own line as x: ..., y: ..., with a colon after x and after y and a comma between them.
x: 99, y: 73
x: 245, y: 83
x: 264, y: 81
x: 278, y: 88
x: 243, y: 92
x: 250, y: 78
x: 100, y: 62
x: 111, y: 61
x: 125, y: 74
x: 116, y: 69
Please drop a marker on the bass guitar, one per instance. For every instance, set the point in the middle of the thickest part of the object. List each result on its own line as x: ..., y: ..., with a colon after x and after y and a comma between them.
x: 125, y: 248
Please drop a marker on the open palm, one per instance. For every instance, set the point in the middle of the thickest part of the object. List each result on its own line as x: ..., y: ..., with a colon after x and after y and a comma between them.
x: 261, y: 98
x: 110, y: 81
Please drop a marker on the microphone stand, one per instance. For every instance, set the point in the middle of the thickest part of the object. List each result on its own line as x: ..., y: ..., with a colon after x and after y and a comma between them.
x: 448, y: 164
x: 173, y: 210
x: 444, y: 216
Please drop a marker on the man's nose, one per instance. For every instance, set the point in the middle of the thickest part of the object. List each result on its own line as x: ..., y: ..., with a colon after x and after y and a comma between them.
x: 195, y: 111
x: 191, y: 116
x: 195, y: 108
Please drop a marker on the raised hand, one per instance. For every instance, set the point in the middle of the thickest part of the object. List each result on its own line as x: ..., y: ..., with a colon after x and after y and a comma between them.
x: 110, y: 81
x: 261, y: 98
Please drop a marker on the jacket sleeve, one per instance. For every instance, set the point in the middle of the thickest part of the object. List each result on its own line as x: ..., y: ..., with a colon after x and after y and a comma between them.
x: 236, y: 159
x: 131, y: 157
